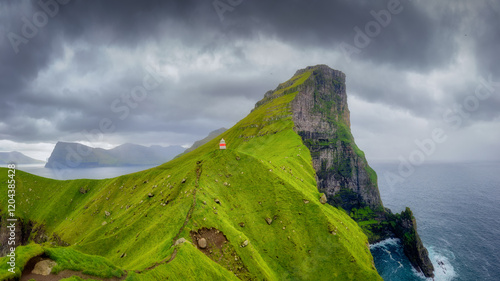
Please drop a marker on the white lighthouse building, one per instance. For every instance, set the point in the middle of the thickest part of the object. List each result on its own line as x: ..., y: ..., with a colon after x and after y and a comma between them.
x: 222, y: 144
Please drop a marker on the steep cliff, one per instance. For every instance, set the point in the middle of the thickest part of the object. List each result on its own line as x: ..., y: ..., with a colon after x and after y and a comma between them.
x: 321, y: 117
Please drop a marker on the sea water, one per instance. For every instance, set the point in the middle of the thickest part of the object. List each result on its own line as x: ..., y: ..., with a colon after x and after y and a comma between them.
x: 458, y: 217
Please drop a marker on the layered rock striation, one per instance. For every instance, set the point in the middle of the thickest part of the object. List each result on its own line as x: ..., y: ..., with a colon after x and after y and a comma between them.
x: 321, y: 118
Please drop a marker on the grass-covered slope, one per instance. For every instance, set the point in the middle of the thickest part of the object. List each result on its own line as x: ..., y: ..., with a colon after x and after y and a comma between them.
x: 259, y: 194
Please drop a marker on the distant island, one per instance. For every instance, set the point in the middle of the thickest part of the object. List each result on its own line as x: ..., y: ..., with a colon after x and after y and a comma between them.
x: 76, y: 155
x: 17, y: 158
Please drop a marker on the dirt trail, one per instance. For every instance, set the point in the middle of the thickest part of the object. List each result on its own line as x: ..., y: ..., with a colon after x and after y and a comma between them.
x: 186, y: 221
x: 199, y: 171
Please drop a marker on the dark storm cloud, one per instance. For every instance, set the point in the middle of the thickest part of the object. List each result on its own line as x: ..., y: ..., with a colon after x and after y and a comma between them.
x: 410, y: 39
x: 91, y: 53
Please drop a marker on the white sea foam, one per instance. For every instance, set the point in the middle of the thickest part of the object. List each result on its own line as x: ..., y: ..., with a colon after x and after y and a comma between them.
x: 384, y: 243
x: 443, y: 269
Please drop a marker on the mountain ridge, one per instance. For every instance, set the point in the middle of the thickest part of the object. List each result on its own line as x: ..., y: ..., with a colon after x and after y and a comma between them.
x: 17, y: 158
x: 76, y: 155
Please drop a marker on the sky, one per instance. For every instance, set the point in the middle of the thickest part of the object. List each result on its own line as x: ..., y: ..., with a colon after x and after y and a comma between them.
x: 423, y: 79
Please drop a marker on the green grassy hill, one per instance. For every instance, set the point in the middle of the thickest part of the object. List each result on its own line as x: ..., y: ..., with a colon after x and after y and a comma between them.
x: 256, y: 204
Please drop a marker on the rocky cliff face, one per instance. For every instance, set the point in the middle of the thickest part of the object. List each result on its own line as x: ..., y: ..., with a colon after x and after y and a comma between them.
x: 321, y: 117
x: 26, y: 231
x: 22, y: 232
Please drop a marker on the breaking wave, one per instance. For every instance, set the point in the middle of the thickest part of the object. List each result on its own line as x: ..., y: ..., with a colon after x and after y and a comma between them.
x: 392, y: 264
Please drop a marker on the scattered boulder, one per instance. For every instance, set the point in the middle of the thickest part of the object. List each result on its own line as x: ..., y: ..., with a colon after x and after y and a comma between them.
x: 83, y: 190
x: 269, y: 221
x: 322, y: 200
x: 183, y: 180
x: 244, y: 244
x: 123, y: 255
x: 44, y: 267
x: 242, y: 224
x: 150, y: 195
x: 217, y: 201
x: 202, y: 243
x: 107, y: 213
x: 180, y: 241
x: 306, y: 201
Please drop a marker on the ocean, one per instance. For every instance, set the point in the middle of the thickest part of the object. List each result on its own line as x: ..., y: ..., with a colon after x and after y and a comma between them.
x: 456, y: 206
x: 458, y: 216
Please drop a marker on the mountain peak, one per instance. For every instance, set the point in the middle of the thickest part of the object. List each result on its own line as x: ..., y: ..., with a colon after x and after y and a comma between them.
x: 320, y: 68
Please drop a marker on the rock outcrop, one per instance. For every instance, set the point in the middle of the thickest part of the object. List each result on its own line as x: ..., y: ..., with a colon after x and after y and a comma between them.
x: 22, y: 229
x: 44, y: 267
x: 405, y: 228
x: 321, y: 117
x: 26, y: 231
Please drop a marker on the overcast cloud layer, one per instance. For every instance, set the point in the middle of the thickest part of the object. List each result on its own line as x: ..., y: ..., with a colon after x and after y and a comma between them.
x: 204, y: 65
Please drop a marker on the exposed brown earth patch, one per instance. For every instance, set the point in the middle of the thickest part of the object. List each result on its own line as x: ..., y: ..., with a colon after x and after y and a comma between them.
x: 215, y: 245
